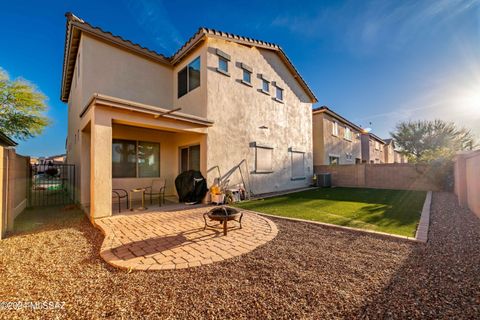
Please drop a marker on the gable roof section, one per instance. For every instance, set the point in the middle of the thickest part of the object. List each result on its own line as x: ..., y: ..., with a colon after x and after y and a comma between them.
x: 330, y: 112
x: 5, y: 141
x: 75, y: 26
x: 375, y: 137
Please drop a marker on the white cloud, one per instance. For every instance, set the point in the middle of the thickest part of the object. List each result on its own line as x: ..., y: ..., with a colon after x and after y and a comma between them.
x: 362, y: 26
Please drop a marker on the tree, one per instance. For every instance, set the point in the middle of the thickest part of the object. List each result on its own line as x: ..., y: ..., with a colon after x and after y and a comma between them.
x: 425, y: 140
x: 22, y: 107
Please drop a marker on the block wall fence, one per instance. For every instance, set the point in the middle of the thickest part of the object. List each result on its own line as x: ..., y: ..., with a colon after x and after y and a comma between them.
x: 401, y: 176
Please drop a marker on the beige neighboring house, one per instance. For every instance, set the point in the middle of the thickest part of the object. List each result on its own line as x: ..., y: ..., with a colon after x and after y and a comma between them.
x: 135, y: 115
x: 373, y: 148
x: 336, y: 140
x: 389, y: 151
x: 400, y: 157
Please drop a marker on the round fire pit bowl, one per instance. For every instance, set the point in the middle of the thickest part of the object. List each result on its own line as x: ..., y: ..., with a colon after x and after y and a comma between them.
x: 223, y: 214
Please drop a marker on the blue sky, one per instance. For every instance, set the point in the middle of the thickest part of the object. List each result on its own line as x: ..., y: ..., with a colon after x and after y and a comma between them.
x: 374, y: 62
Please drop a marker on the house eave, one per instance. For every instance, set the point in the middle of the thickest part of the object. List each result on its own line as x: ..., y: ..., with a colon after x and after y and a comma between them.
x: 154, y: 111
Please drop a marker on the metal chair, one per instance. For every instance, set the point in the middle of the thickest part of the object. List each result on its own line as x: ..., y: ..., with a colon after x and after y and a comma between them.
x: 120, y: 194
x: 157, y: 188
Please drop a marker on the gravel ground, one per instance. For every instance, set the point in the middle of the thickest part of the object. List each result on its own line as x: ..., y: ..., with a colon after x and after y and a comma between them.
x: 307, y: 271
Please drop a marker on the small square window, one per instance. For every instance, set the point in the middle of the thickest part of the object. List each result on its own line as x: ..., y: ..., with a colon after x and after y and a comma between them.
x: 247, y: 76
x: 222, y: 64
x: 265, y: 86
x: 279, y: 93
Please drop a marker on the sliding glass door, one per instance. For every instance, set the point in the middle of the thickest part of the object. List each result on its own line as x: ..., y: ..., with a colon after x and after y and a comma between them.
x: 190, y: 158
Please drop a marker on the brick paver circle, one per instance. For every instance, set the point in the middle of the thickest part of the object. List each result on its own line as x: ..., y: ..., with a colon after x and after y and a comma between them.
x: 176, y: 240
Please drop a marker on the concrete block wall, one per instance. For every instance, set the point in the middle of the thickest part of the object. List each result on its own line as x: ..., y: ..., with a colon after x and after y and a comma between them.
x: 382, y: 176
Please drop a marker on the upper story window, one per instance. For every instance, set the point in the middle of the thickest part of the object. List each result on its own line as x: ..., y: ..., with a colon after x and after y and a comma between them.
x: 222, y: 65
x: 246, y: 74
x: 278, y: 93
x: 189, y: 77
x: 265, y: 86
x: 348, y: 134
x: 335, y: 128
x: 223, y: 59
x: 377, y: 145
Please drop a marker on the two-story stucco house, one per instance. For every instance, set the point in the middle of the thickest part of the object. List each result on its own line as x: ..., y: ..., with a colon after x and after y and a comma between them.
x: 373, y: 148
x: 135, y: 115
x: 336, y: 140
x: 389, y: 151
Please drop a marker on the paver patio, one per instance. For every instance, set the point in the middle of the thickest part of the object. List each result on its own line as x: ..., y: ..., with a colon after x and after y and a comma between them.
x: 176, y: 240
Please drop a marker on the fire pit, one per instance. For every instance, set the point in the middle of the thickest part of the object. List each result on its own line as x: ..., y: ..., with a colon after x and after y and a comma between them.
x: 223, y: 214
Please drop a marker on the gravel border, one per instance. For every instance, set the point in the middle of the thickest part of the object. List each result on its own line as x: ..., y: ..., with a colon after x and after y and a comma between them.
x: 307, y: 272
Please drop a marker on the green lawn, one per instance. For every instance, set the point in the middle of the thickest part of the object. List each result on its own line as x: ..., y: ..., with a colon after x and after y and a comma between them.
x: 391, y: 211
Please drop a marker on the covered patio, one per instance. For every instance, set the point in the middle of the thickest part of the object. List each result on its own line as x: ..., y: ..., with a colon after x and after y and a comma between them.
x: 127, y: 145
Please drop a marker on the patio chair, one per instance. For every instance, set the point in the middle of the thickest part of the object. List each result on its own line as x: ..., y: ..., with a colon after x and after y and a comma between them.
x: 120, y: 194
x: 157, y: 188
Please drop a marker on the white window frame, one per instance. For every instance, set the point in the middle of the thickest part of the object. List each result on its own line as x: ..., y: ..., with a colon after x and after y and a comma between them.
x: 222, y: 56
x: 335, y: 128
x: 246, y: 69
x: 347, y: 134
x: 277, y: 89
x: 264, y: 81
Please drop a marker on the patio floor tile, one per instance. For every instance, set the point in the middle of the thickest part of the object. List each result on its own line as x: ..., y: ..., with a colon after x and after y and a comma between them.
x: 177, y: 240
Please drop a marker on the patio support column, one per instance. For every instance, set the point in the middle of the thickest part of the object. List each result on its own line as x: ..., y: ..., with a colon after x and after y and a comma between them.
x: 101, y: 166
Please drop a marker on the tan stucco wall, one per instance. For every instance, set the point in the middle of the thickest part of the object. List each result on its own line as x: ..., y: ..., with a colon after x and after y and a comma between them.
x: 119, y: 73
x: 389, y: 153
x: 325, y: 144
x: 195, y: 101
x: 318, y: 141
x: 239, y: 111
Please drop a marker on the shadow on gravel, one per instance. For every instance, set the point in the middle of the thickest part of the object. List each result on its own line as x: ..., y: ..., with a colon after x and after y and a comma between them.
x: 34, y: 220
x: 439, y: 279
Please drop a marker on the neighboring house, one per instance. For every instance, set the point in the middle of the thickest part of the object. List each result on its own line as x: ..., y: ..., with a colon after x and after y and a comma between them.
x: 135, y: 115
x: 335, y: 139
x: 372, y: 148
x: 14, y: 174
x: 389, y: 151
x: 400, y: 157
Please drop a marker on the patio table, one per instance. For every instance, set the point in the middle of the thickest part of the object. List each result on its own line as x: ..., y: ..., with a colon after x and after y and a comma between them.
x: 132, y: 192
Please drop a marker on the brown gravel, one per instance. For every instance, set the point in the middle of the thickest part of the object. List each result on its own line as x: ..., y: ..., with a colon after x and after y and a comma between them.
x: 307, y: 271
